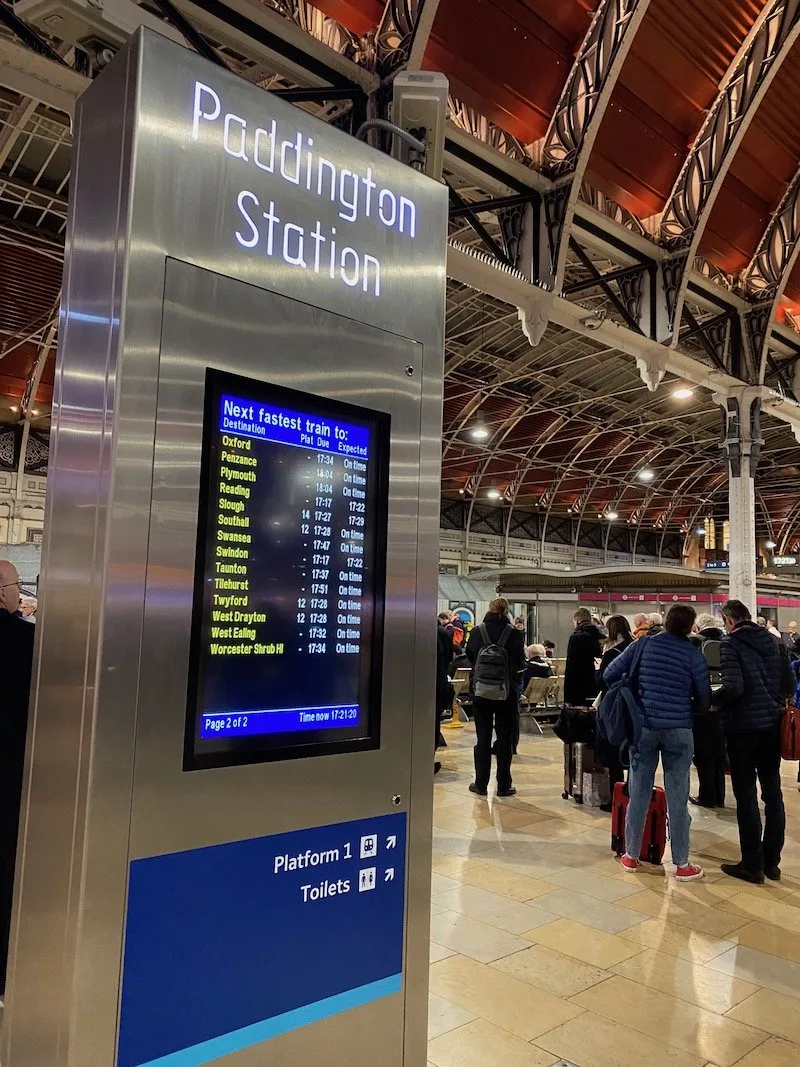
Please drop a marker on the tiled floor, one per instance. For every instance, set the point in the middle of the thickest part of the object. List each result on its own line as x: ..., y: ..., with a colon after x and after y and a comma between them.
x: 542, y: 950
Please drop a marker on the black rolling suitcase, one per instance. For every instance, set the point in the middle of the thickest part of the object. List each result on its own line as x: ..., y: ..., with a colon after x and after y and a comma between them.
x: 575, y: 727
x: 577, y: 759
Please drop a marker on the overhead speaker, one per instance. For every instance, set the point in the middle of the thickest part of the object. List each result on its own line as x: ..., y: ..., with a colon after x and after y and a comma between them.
x: 419, y: 106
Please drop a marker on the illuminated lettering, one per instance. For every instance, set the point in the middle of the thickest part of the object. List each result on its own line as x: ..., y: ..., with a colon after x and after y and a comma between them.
x: 257, y: 149
x: 387, y: 197
x: 291, y: 174
x: 370, y: 186
x: 241, y: 126
x: 325, y: 166
x: 408, y: 211
x: 277, y: 149
x: 201, y: 91
x: 348, y: 195
x: 350, y: 278
x: 295, y: 259
x: 244, y: 200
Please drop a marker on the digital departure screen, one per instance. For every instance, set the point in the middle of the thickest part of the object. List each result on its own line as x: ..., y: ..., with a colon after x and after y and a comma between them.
x: 288, y: 607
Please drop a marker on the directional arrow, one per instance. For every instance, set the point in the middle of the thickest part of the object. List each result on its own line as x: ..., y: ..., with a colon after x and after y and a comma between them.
x: 391, y: 842
x: 388, y: 875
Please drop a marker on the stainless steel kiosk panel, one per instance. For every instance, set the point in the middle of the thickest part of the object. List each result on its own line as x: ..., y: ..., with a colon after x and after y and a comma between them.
x: 225, y: 850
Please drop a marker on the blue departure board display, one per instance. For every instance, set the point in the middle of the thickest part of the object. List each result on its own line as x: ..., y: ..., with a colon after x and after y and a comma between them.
x: 288, y: 609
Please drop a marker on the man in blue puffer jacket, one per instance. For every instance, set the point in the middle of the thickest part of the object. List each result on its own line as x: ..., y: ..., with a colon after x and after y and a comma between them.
x: 752, y: 701
x: 673, y: 687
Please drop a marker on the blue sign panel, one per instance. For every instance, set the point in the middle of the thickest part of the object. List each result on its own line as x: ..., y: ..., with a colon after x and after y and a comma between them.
x: 229, y: 946
x: 280, y: 720
x: 286, y: 427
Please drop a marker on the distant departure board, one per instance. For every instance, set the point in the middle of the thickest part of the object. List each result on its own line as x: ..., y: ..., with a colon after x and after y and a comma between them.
x: 290, y: 575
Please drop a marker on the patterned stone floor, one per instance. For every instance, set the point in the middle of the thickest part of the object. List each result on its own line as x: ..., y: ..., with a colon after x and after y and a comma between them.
x: 542, y: 950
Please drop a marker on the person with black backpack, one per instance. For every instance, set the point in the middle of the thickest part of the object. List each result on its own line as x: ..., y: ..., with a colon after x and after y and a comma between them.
x: 497, y: 653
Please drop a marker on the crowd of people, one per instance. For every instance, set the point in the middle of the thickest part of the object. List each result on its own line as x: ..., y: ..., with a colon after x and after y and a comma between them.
x: 709, y: 692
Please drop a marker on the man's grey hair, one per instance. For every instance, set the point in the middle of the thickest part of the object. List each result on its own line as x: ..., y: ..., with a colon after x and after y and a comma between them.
x: 705, y: 621
x: 656, y: 618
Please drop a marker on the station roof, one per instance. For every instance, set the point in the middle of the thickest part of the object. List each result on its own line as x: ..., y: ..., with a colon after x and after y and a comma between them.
x: 509, y: 60
x: 572, y: 429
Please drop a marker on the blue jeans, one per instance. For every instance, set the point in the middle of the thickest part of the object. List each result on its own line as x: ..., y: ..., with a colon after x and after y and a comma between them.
x: 676, y: 748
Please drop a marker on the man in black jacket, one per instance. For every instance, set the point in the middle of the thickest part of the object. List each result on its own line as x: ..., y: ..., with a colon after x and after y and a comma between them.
x: 498, y: 715
x: 710, y: 757
x: 752, y: 703
x: 584, y: 647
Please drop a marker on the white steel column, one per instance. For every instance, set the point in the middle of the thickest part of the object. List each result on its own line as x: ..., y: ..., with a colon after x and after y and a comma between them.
x: 742, y: 505
x: 742, y: 446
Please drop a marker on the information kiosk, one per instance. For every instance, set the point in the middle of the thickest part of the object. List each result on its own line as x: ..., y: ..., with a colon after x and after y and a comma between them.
x: 225, y: 852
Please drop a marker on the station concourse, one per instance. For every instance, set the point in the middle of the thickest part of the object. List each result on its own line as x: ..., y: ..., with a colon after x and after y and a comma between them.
x: 317, y: 320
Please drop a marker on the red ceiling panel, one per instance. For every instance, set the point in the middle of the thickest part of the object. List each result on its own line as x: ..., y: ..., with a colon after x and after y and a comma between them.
x: 29, y: 286
x: 764, y: 165
x: 14, y: 370
x: 670, y: 77
x: 358, y: 16
x: 531, y: 429
x: 509, y: 58
x: 735, y: 227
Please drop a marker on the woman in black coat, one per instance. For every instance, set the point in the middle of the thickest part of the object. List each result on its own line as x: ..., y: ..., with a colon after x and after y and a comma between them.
x: 619, y: 637
x: 583, y: 648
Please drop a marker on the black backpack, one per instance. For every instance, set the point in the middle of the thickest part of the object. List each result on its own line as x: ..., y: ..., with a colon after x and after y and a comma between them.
x: 491, y: 676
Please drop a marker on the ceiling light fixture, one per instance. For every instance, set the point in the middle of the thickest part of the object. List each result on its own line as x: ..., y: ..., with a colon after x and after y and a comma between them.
x: 683, y: 393
x: 612, y: 516
x: 770, y: 544
x: 493, y: 494
x: 646, y: 475
x: 479, y: 431
x: 700, y: 531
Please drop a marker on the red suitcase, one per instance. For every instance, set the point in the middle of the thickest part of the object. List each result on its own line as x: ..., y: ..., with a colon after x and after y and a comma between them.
x: 654, y: 841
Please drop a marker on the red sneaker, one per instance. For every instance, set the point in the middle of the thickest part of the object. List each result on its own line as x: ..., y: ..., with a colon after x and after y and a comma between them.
x: 690, y: 873
x: 629, y: 864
